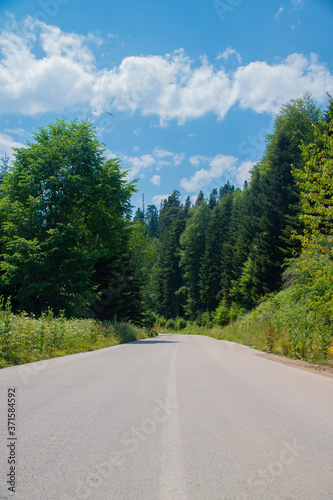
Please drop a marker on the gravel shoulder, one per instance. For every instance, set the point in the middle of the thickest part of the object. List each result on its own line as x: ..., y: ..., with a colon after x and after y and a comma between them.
x: 327, y: 371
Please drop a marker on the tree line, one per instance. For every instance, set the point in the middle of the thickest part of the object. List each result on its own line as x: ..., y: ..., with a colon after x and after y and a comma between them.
x: 69, y: 241
x: 218, y: 259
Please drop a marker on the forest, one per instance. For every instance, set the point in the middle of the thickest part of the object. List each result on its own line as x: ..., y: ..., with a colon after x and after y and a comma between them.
x: 250, y: 259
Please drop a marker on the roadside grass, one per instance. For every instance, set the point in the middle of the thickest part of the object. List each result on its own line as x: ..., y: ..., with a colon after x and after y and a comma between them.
x: 285, y: 324
x: 25, y: 339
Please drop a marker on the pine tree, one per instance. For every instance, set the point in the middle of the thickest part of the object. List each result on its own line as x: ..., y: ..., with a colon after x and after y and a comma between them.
x: 172, y: 223
x: 192, y: 242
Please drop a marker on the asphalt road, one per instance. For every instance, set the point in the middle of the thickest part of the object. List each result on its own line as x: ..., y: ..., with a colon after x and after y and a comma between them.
x: 171, y: 418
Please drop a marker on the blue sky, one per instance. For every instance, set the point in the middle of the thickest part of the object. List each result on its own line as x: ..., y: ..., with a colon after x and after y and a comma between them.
x: 193, y: 86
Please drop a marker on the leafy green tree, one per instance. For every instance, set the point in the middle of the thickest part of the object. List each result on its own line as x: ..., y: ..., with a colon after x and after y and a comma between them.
x: 63, y: 210
x: 315, y: 181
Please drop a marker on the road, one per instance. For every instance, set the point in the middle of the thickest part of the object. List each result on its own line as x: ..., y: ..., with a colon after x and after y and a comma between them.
x: 175, y: 417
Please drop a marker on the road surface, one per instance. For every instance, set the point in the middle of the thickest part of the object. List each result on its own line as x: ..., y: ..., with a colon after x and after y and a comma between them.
x: 175, y: 417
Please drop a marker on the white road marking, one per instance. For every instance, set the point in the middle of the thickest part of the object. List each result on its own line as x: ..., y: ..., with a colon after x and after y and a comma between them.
x: 172, y: 485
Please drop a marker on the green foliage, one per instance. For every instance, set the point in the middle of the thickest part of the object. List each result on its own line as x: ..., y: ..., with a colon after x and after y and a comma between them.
x: 180, y: 323
x: 170, y: 280
x: 192, y: 243
x: 62, y: 208
x: 222, y: 316
x: 144, y: 252
x: 235, y: 311
x: 160, y: 320
x: 170, y: 324
x: 25, y: 339
x: 315, y: 180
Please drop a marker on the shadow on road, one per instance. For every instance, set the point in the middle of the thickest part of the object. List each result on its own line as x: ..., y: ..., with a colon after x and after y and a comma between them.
x: 155, y: 342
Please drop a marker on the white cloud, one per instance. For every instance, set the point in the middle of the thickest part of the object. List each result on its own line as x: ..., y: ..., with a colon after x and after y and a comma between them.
x: 43, y: 69
x: 243, y: 172
x: 197, y: 159
x: 164, y: 157
x: 137, y: 165
x: 229, y: 52
x: 156, y: 180
x: 279, y: 12
x: 7, y: 143
x: 219, y: 165
x: 18, y: 131
x: 160, y: 198
x: 264, y: 88
x: 93, y: 37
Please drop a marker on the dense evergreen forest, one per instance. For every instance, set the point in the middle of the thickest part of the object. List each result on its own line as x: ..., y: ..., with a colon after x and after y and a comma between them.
x: 70, y: 243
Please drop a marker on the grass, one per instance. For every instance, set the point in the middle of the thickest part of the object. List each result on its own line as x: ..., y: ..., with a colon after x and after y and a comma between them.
x: 25, y: 339
x: 285, y: 324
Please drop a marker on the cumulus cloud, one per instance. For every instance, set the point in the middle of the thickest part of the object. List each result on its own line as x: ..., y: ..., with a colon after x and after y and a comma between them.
x: 265, y: 88
x: 160, y: 198
x: 136, y: 166
x: 156, y: 180
x: 7, y: 143
x: 218, y: 166
x: 43, y: 69
x: 198, y: 159
x: 164, y: 157
x: 243, y: 172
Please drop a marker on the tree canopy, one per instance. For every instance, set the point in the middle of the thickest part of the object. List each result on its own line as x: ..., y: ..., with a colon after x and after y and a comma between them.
x: 63, y: 208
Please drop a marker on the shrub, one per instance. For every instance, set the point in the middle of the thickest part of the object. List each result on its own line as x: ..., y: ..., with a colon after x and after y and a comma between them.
x: 170, y: 324
x: 180, y: 324
x: 160, y: 320
x: 222, y: 317
x: 235, y: 312
x: 206, y: 319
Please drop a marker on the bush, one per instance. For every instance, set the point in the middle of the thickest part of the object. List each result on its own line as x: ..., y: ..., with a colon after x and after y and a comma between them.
x: 235, y: 312
x: 222, y: 317
x: 160, y: 320
x: 25, y: 339
x: 181, y: 323
x: 170, y: 324
x: 206, y: 319
x: 148, y: 319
